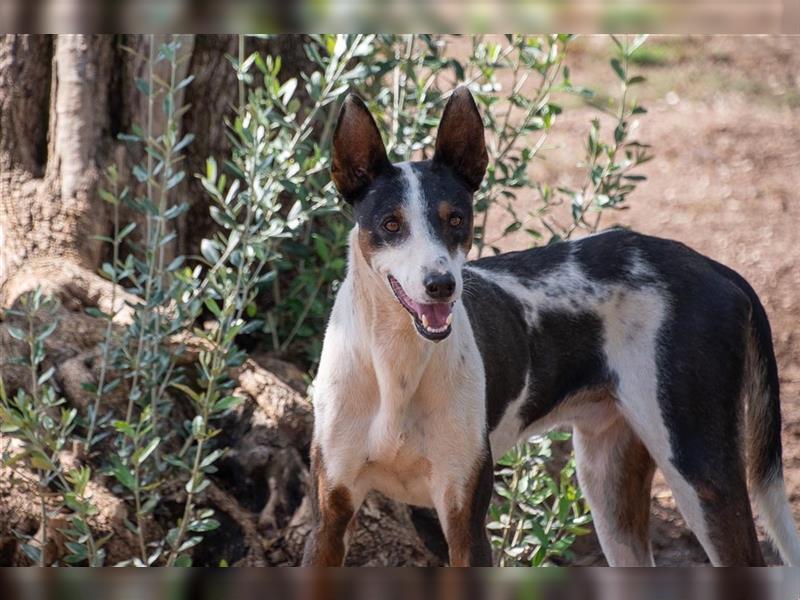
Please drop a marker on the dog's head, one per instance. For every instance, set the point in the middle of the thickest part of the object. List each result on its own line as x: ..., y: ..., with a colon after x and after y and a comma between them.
x: 414, y: 219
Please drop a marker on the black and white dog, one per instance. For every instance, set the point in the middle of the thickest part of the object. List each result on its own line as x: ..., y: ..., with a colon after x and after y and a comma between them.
x: 655, y: 355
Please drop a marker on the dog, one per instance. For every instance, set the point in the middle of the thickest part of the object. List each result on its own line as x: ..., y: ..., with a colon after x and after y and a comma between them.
x: 433, y: 367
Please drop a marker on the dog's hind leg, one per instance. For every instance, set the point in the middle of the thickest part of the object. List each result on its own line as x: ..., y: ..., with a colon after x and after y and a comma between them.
x: 679, y: 387
x: 616, y: 472
x: 717, y: 510
x: 703, y: 463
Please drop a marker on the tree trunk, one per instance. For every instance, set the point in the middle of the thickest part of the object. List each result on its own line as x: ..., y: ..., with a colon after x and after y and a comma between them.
x: 63, y: 100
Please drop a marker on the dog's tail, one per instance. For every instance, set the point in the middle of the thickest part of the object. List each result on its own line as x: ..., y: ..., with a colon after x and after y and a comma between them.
x: 763, y: 430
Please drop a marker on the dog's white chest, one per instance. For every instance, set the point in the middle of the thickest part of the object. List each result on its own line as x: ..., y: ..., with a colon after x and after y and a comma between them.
x: 382, y: 425
x: 398, y: 461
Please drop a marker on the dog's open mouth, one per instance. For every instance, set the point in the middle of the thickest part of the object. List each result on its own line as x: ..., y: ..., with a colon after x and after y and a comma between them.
x: 433, y: 321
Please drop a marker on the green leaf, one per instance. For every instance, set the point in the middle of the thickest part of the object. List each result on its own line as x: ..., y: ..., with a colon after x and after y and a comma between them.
x: 198, y: 426
x: 140, y: 456
x: 44, y: 377
x: 176, y: 263
x: 47, y: 331
x: 108, y: 197
x: 95, y: 312
x: 16, y: 333
x: 124, y: 427
x: 204, y: 525
x: 32, y: 552
x: 637, y: 43
x: 128, y: 137
x: 175, y: 179
x: 212, y: 305
x: 140, y: 173
x: 183, y: 560
x: 227, y: 402
x: 187, y: 390
x: 287, y: 90
x: 209, y: 251
x: 124, y: 476
x: 143, y: 86
x: 617, y: 66
x: 187, y: 139
x: 126, y: 231
x: 322, y: 249
x: 195, y: 486
x: 151, y: 503
x: 211, y: 458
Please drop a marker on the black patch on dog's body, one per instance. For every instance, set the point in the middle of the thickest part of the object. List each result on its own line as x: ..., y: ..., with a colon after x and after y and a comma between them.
x: 566, y: 353
x: 561, y: 354
x: 530, y: 266
x: 701, y: 345
x: 498, y: 323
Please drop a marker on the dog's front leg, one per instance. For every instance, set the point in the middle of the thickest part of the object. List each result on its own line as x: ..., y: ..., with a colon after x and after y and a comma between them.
x: 462, y: 513
x: 332, y: 509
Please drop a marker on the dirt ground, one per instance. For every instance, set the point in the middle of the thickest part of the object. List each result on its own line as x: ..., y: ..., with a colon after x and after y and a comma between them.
x: 724, y: 120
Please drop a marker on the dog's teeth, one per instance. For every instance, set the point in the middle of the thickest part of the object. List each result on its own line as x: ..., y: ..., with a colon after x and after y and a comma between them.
x: 425, y: 321
x: 449, y: 320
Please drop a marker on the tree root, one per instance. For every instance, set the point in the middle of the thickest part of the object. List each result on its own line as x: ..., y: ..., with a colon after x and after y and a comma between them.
x: 246, y: 520
x: 77, y: 287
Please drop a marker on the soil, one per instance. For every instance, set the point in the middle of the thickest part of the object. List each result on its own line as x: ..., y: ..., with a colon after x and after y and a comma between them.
x: 724, y: 121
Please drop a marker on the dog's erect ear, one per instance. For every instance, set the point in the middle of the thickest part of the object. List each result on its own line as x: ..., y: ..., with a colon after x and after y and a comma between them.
x: 460, y: 144
x: 358, y: 152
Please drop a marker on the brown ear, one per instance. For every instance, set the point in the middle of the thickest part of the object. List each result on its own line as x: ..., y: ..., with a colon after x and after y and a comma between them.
x: 460, y: 144
x: 358, y: 152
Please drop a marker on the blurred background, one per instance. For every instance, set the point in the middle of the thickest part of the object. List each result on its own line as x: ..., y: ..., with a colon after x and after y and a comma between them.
x: 478, y: 16
x: 170, y: 245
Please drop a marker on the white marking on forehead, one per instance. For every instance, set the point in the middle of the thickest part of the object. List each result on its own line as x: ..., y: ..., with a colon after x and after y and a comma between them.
x: 412, y: 183
x: 415, y: 205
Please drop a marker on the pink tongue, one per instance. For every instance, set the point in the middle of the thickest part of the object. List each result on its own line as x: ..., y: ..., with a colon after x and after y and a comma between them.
x: 436, y: 314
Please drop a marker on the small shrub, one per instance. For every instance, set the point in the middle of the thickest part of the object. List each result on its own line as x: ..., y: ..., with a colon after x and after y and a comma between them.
x: 43, y: 425
x: 537, y: 516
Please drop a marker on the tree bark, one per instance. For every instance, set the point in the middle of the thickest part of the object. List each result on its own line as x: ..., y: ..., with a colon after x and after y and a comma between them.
x: 63, y: 101
x: 49, y: 189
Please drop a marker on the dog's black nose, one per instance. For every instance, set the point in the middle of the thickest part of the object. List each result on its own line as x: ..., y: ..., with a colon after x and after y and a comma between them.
x: 440, y: 285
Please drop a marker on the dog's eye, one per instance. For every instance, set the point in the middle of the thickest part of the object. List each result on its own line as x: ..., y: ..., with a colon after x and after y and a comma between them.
x: 391, y: 224
x: 455, y: 220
